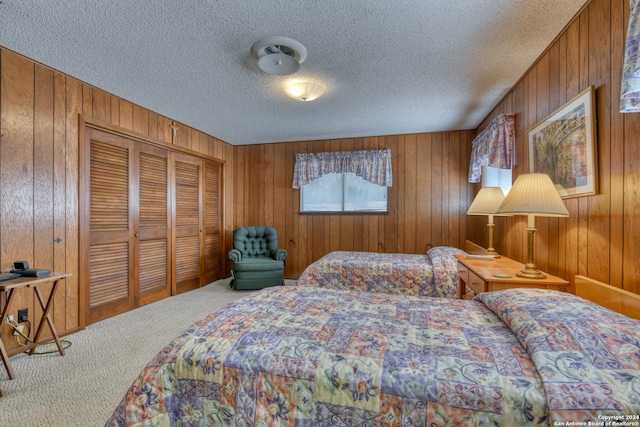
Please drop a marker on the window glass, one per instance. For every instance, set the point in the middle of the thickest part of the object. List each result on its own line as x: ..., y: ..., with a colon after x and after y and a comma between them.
x: 342, y: 193
x: 497, y: 177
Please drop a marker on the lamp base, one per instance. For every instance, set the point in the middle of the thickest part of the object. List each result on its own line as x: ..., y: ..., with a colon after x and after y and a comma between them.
x: 492, y: 252
x: 530, y: 272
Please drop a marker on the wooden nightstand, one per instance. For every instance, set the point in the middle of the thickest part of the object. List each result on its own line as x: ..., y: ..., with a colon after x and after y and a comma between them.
x: 476, y: 276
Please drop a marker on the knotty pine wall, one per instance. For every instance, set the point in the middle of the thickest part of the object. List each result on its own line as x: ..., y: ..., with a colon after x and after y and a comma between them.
x: 427, y: 202
x: 601, y: 238
x: 39, y: 119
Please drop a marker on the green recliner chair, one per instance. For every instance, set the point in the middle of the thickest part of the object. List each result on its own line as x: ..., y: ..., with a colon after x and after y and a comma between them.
x: 257, y: 261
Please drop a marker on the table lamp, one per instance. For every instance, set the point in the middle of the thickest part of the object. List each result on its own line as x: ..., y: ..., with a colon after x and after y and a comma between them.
x: 533, y: 194
x: 487, y: 202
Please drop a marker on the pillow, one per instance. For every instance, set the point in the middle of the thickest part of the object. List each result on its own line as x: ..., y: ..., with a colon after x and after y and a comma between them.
x: 445, y: 270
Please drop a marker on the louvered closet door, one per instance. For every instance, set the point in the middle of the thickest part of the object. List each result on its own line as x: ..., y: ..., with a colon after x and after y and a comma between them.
x: 111, y: 282
x: 153, y: 264
x: 188, y: 232
x: 212, y: 222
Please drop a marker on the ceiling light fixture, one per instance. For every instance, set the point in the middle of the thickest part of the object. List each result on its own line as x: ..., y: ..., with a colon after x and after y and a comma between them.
x: 278, y: 55
x: 304, y: 90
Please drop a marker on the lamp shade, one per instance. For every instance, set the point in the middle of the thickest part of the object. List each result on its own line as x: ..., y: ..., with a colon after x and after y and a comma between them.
x: 533, y: 194
x: 487, y: 201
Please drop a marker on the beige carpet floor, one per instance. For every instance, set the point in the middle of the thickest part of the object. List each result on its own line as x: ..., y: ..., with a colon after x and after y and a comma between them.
x: 83, y: 387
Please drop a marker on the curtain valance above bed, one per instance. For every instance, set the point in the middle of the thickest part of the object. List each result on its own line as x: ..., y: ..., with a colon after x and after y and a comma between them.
x: 630, y: 90
x: 493, y: 147
x: 371, y: 165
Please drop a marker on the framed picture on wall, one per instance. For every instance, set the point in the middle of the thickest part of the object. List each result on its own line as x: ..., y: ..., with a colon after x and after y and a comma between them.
x: 564, y: 146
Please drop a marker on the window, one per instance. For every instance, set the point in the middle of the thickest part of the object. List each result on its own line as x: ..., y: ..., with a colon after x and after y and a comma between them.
x: 342, y: 192
x: 497, y: 177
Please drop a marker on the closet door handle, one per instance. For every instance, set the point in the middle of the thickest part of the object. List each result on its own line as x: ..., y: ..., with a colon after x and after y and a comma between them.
x: 137, y: 234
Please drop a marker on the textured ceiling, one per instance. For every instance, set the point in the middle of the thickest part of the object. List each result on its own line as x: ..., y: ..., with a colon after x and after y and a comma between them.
x: 392, y: 66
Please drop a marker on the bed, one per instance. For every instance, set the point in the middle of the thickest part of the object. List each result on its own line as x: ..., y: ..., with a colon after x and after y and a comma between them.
x: 302, y: 356
x: 434, y: 274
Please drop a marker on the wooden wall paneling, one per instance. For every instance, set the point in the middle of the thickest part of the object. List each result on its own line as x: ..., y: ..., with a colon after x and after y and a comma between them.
x: 114, y: 118
x: 280, y: 186
x: 401, y: 187
x: 59, y: 199
x: 301, y: 230
x: 456, y: 174
x: 16, y: 172
x: 101, y: 108
x: 557, y: 243
x: 268, y: 185
x: 583, y: 205
x: 466, y: 190
x: 631, y: 245
x: 616, y: 178
x: 152, y: 131
x: 436, y: 189
x: 598, y: 206
x: 295, y: 238
x: 73, y: 109
x: 43, y: 175
x: 87, y: 100
x: 544, y: 240
x: 445, y: 189
x: 140, y: 120
x: 126, y: 115
x: 229, y: 195
x: 571, y: 89
x: 238, y: 185
x: 289, y: 211
x: 423, y: 189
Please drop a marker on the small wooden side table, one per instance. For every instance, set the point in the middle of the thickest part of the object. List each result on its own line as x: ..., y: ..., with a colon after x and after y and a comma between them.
x: 10, y: 286
x: 479, y: 275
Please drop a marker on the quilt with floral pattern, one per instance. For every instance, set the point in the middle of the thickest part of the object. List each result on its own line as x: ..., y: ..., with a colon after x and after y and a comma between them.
x: 434, y: 274
x: 303, y: 356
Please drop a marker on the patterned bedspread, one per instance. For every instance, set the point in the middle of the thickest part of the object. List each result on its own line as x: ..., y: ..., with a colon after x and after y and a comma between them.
x: 302, y: 356
x: 432, y: 275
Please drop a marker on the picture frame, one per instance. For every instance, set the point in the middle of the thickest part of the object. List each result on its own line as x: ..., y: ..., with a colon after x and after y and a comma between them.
x: 563, y: 145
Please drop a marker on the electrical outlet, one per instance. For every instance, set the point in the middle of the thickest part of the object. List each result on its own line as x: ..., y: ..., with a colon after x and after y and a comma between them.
x: 23, y: 315
x: 18, y: 330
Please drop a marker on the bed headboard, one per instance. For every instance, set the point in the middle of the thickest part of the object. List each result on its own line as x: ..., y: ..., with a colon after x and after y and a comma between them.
x: 472, y: 248
x: 614, y: 298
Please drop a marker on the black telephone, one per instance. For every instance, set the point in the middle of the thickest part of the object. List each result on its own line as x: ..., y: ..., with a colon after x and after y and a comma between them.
x: 22, y: 268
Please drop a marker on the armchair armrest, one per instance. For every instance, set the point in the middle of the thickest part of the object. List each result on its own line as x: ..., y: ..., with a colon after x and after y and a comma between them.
x: 235, y: 255
x: 278, y: 254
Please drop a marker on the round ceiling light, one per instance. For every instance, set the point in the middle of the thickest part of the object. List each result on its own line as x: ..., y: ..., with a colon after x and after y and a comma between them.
x: 278, y: 55
x: 304, y: 90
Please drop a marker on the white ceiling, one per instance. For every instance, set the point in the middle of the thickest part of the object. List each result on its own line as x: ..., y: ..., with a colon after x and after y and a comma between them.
x: 392, y: 66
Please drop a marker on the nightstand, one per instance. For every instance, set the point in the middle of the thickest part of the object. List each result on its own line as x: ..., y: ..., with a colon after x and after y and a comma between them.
x: 483, y: 275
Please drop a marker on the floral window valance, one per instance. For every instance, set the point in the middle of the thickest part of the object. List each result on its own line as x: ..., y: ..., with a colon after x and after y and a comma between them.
x: 630, y: 91
x: 371, y: 165
x: 493, y: 147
